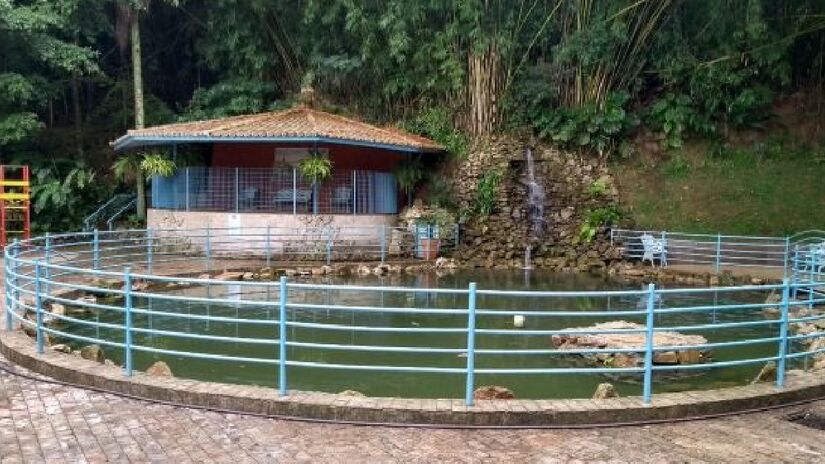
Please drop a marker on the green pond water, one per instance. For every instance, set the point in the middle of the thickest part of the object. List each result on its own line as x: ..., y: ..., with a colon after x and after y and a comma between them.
x: 430, y: 385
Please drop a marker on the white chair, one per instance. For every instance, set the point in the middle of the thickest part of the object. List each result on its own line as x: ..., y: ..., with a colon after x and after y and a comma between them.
x: 653, y: 248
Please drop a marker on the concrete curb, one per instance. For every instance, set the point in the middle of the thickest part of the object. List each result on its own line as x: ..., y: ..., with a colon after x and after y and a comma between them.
x: 20, y: 349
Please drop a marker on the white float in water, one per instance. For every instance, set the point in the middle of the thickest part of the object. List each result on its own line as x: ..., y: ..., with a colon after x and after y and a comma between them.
x: 518, y: 321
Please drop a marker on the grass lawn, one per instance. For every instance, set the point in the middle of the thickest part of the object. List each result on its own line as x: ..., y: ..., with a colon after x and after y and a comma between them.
x: 770, y: 192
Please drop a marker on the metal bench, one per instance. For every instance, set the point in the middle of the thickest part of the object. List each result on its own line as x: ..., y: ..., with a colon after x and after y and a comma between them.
x: 653, y: 247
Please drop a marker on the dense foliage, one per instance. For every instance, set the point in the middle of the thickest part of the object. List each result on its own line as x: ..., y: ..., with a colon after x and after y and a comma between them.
x: 584, y: 74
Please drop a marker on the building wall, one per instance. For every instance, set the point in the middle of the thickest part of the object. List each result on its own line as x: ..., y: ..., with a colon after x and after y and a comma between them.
x: 262, y: 155
x: 233, y: 233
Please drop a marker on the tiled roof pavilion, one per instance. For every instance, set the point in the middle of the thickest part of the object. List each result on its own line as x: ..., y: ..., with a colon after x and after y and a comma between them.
x: 298, y: 124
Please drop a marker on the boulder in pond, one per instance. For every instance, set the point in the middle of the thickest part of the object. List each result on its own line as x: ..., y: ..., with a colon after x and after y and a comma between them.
x: 623, y: 335
x: 62, y: 348
x: 159, y: 369
x: 93, y: 353
x: 493, y: 392
x: 604, y: 391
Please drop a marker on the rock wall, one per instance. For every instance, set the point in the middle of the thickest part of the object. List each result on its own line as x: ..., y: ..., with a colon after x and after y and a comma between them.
x: 500, y: 240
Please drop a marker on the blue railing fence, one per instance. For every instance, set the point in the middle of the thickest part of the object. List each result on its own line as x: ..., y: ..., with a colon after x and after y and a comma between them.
x: 58, y: 268
x: 275, y: 190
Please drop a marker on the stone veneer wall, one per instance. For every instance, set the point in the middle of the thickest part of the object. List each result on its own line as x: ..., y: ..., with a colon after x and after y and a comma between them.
x: 499, y: 240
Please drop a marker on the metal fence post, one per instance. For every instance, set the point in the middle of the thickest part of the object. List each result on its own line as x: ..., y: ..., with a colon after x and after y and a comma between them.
x: 38, y: 307
x: 208, y: 247
x: 648, y: 378
x: 383, y: 243
x: 282, y: 337
x: 783, y: 335
x: 795, y: 267
x: 6, y: 289
x: 150, y: 244
x: 46, y: 270
x: 718, y: 252
x: 471, y: 344
x: 237, y: 190
x: 814, y: 265
x: 329, y: 245
x: 127, y: 344
x: 786, y: 257
x: 456, y: 236
x: 354, y: 190
x: 663, y: 257
x: 186, y: 186
x: 16, y: 267
x: 294, y: 191
x: 268, y: 247
x: 96, y: 250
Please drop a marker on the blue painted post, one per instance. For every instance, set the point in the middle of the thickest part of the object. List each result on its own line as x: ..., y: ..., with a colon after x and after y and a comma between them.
x: 6, y: 289
x: 268, y: 247
x: 237, y: 190
x: 383, y: 243
x: 46, y: 270
x: 718, y: 252
x: 354, y: 191
x: 471, y: 344
x: 96, y: 250
x: 127, y: 344
x: 329, y: 246
x: 208, y: 247
x: 812, y: 281
x: 786, y: 257
x: 783, y: 335
x: 611, y: 236
x: 38, y: 307
x: 648, y: 379
x: 186, y: 186
x: 662, y: 258
x: 282, y: 337
x: 294, y: 191
x: 16, y: 266
x: 150, y: 244
x: 795, y: 267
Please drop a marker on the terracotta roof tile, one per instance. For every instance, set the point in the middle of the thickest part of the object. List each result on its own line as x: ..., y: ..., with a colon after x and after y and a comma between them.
x: 299, y: 121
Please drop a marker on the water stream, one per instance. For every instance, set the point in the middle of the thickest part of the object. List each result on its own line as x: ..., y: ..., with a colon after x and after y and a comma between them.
x: 535, y: 207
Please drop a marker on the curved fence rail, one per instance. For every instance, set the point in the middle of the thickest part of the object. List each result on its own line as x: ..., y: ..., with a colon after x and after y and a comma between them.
x: 133, y: 293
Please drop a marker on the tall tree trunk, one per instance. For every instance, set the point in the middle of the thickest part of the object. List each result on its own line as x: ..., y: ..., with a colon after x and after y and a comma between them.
x: 78, y: 118
x: 137, y: 71
x: 137, y: 75
x: 484, y: 76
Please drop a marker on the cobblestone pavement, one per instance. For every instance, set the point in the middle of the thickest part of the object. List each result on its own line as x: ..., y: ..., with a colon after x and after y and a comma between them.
x: 43, y: 422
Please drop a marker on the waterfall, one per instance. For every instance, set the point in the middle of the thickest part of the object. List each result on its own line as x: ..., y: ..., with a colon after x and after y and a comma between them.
x: 535, y: 207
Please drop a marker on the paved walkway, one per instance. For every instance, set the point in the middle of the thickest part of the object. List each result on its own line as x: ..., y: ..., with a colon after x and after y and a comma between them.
x: 43, y: 422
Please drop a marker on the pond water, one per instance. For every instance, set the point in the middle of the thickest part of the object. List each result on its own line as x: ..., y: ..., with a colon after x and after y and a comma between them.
x: 429, y: 385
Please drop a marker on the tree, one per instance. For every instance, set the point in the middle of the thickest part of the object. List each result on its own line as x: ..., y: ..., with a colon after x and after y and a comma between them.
x: 138, y: 167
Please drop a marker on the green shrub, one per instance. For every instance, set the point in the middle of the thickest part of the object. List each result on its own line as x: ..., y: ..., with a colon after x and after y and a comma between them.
x: 487, y: 192
x: 598, y: 188
x: 677, y: 167
x: 437, y: 123
x: 594, y: 219
x: 589, y: 127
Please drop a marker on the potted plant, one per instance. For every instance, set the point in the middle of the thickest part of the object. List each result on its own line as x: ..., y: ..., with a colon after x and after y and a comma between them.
x: 316, y: 169
x: 432, y: 226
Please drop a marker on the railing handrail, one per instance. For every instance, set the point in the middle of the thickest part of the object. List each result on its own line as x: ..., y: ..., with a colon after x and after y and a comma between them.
x: 33, y: 281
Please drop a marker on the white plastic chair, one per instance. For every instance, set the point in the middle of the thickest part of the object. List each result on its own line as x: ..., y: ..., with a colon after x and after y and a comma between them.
x: 653, y: 248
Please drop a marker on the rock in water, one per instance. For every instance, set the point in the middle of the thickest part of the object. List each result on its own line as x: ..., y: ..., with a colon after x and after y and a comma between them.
x: 93, y: 353
x: 493, y: 392
x: 159, y: 369
x: 599, y: 336
x: 61, y: 348
x: 767, y: 374
x: 604, y: 391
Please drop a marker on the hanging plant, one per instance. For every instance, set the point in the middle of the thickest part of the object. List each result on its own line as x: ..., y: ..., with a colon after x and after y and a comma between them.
x: 316, y: 169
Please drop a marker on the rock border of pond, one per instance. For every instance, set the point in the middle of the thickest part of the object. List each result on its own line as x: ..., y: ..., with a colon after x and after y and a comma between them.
x: 800, y: 386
